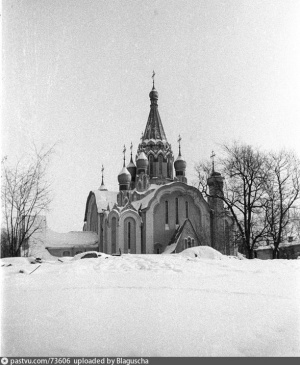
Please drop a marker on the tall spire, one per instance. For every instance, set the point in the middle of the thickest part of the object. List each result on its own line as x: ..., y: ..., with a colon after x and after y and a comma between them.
x: 154, y: 148
x: 154, y: 128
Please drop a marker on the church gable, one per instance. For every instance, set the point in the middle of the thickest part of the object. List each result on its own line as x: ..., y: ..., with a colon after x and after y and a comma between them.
x: 186, y: 237
x: 168, y: 210
x: 129, y: 206
x: 91, y: 214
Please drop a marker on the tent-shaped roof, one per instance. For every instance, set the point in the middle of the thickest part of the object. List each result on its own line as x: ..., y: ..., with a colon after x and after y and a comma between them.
x: 154, y: 128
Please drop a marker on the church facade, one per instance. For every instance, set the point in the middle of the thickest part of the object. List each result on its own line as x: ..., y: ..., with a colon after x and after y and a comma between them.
x: 156, y: 211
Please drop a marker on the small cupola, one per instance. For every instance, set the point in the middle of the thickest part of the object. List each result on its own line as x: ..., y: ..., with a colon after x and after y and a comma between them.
x: 180, y: 165
x: 215, y: 184
x: 142, y: 163
x: 153, y: 95
x: 124, y: 177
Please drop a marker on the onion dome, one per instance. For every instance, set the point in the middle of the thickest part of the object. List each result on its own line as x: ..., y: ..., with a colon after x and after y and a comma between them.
x: 153, y: 95
x: 124, y: 176
x: 180, y: 164
x: 131, y: 166
x: 102, y: 187
x: 142, y: 161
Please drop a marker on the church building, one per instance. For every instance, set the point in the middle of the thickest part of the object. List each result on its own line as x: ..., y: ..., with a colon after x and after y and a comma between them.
x: 156, y: 211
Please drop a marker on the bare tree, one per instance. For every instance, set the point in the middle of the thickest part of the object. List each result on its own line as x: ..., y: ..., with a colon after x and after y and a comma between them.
x: 244, y: 170
x: 282, y: 192
x: 25, y: 194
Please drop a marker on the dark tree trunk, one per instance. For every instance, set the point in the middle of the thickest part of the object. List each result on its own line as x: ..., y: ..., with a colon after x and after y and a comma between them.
x: 250, y: 253
x: 275, y: 253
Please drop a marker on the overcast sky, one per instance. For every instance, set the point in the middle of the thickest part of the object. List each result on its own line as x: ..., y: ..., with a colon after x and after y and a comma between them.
x: 79, y: 72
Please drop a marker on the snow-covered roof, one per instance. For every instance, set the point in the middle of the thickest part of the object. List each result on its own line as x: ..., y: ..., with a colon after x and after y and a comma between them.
x: 154, y: 188
x: 170, y: 248
x: 73, y: 238
x: 288, y: 244
x: 261, y: 248
x: 282, y: 244
x: 104, y: 199
x: 143, y: 202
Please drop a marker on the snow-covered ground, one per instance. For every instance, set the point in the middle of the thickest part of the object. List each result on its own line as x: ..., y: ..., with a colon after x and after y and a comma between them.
x: 152, y: 305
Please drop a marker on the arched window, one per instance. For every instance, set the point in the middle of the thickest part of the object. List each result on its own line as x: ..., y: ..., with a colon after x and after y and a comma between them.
x: 186, y: 209
x: 166, y: 212
x: 160, y: 165
x: 189, y: 242
x: 177, y: 211
x: 129, y: 235
x: 144, y: 182
x: 185, y: 243
x: 113, y: 234
x: 169, y: 168
x: 151, y: 167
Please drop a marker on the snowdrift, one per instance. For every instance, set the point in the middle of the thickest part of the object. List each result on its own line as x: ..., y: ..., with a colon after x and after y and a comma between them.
x: 151, y: 305
x: 203, y: 252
